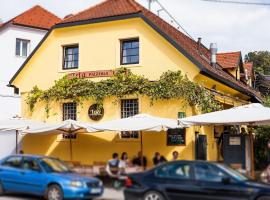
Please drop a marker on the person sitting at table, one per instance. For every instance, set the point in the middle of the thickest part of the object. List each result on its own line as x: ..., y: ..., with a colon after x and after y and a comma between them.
x: 175, y: 155
x: 112, y: 167
x: 158, y: 159
x: 137, y: 161
x: 124, y: 162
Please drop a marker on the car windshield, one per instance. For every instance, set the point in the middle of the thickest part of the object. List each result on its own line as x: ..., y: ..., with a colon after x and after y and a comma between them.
x: 51, y: 165
x: 235, y: 174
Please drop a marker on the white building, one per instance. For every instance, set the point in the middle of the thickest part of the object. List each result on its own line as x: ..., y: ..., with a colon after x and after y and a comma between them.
x: 18, y: 38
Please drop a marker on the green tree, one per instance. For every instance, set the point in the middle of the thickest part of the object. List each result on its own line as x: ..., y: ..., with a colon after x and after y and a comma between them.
x: 262, y: 136
x: 261, y: 61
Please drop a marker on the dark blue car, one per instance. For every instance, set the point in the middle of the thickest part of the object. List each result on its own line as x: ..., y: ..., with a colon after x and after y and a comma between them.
x: 45, y: 176
x: 193, y: 180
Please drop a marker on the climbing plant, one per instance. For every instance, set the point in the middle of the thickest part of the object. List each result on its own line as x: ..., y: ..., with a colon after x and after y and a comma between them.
x: 171, y: 85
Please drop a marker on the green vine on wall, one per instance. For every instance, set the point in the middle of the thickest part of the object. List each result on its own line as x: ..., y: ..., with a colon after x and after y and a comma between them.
x: 171, y: 85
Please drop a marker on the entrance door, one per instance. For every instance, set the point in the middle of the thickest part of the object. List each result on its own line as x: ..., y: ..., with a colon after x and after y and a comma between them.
x: 200, y: 147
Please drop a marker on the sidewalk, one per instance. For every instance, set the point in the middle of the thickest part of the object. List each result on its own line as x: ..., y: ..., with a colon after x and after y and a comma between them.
x: 111, y: 194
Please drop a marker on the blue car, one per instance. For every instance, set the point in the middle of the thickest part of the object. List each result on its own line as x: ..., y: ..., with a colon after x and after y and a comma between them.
x: 45, y: 176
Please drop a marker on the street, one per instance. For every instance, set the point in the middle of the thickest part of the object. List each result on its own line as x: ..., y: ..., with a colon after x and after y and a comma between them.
x: 109, y: 194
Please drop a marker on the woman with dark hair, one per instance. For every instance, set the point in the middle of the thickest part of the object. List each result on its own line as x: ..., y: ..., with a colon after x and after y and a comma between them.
x: 124, y: 162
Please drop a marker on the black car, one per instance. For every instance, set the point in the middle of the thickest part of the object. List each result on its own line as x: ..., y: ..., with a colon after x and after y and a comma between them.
x: 193, y: 180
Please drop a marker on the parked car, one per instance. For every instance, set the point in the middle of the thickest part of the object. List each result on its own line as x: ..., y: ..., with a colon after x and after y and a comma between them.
x: 193, y: 180
x: 45, y: 176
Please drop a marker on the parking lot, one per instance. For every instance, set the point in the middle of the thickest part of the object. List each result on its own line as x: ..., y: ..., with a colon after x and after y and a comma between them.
x: 109, y: 194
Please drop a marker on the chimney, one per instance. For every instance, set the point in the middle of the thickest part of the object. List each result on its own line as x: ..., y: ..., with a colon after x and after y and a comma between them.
x: 199, y: 43
x: 213, y: 50
x: 246, y: 74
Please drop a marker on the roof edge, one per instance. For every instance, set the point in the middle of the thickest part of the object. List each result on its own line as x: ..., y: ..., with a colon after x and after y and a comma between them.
x: 203, y: 70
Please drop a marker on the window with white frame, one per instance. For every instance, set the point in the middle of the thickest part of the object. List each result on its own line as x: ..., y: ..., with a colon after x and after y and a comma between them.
x: 129, y: 108
x: 71, y: 57
x: 22, y: 47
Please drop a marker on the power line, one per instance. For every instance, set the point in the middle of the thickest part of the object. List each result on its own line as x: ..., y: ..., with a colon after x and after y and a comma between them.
x: 173, y: 20
x: 239, y: 2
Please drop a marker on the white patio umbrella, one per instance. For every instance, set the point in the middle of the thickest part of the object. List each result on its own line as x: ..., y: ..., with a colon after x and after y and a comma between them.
x: 68, y: 127
x: 251, y: 114
x: 140, y: 122
x: 18, y: 125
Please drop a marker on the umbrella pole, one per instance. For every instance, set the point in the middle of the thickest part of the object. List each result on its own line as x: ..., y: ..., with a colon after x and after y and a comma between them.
x: 70, y: 147
x: 142, y: 160
x: 17, y: 135
x: 252, y: 155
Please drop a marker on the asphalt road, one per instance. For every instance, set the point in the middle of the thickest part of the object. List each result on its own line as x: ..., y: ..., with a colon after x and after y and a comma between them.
x: 109, y: 194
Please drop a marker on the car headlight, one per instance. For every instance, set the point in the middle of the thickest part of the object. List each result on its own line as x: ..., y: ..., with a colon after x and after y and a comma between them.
x: 76, y: 184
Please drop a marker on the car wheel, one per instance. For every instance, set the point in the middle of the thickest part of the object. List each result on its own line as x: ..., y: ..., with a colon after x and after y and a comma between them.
x: 1, y: 189
x: 54, y: 192
x: 263, y: 198
x: 153, y: 195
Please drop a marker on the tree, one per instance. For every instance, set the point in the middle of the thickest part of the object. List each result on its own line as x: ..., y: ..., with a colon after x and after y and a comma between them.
x: 262, y: 137
x: 261, y: 61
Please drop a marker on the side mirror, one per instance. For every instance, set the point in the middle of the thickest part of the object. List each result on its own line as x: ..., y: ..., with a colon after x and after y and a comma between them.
x: 226, y: 180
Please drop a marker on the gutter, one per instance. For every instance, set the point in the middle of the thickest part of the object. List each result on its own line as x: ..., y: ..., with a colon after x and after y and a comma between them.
x: 16, y: 89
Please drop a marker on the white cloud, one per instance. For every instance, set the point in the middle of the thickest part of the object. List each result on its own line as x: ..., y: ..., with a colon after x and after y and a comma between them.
x: 233, y: 27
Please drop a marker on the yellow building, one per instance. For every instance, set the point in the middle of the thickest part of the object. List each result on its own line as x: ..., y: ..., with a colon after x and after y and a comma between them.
x: 93, y: 44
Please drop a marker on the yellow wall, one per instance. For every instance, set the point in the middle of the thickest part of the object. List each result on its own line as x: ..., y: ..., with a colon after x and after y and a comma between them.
x: 91, y: 147
x: 99, y: 48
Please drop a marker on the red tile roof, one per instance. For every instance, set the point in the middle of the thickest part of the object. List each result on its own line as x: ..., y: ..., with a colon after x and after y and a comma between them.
x: 229, y: 60
x: 186, y: 45
x: 35, y: 17
x: 249, y: 67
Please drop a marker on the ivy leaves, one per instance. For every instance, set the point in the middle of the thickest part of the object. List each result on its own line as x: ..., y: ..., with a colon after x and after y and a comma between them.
x: 171, y: 85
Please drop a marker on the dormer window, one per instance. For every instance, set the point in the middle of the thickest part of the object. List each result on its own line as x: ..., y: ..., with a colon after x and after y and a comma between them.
x: 22, y: 47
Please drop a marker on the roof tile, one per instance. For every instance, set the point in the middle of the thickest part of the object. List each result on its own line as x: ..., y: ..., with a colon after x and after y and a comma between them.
x: 36, y: 17
x: 229, y: 60
x: 110, y: 8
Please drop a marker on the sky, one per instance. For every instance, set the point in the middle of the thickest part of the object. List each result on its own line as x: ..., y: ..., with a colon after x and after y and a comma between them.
x: 233, y: 27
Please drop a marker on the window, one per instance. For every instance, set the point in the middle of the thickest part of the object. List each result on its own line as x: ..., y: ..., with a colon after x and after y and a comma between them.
x: 178, y: 171
x: 22, y: 47
x: 205, y: 172
x: 14, y: 161
x: 69, y: 111
x: 30, y: 164
x: 129, y: 108
x: 71, y: 57
x: 130, y: 52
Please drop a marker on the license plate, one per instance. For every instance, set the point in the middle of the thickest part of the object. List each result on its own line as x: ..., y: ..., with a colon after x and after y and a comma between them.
x: 95, y: 190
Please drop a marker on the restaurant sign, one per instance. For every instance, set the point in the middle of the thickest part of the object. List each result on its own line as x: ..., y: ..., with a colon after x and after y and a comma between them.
x: 95, y: 112
x: 92, y: 74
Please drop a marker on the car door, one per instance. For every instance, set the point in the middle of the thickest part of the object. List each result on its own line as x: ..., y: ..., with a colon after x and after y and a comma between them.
x: 33, y: 178
x: 10, y: 173
x: 216, y: 184
x: 179, y: 183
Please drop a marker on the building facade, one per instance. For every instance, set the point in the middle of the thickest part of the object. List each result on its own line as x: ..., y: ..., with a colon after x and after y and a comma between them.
x: 101, y: 40
x: 18, y: 38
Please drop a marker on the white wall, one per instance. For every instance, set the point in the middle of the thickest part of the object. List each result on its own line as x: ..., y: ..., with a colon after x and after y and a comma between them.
x: 8, y: 143
x: 10, y: 63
